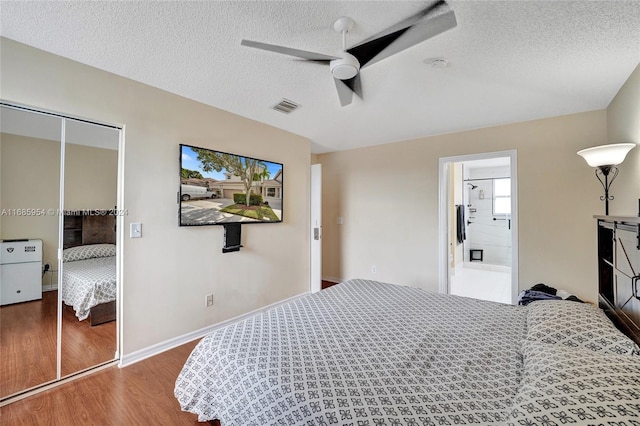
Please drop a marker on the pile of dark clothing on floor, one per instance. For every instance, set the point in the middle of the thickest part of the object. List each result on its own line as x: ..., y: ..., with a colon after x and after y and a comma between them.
x: 544, y: 292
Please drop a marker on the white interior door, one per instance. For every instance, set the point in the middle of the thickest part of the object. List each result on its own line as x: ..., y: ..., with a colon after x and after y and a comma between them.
x: 316, y: 228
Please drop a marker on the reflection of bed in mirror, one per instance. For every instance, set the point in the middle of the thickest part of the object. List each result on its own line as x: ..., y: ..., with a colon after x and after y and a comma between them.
x: 89, y: 272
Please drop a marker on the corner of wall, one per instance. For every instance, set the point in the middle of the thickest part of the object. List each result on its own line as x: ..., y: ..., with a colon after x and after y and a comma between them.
x: 623, y: 125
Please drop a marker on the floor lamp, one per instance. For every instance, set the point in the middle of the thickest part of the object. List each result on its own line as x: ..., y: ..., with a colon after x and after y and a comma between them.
x: 605, y: 158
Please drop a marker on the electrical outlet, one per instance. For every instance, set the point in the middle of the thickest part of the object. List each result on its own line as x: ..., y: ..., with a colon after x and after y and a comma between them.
x: 208, y: 300
x: 374, y: 269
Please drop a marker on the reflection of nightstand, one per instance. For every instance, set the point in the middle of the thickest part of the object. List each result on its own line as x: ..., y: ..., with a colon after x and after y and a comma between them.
x: 476, y: 254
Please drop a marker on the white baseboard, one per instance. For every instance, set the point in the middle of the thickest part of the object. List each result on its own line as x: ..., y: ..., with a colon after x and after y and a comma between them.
x: 50, y: 287
x: 332, y: 279
x: 158, y: 348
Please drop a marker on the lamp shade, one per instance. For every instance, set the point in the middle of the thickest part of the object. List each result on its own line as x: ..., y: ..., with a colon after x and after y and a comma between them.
x: 606, y: 155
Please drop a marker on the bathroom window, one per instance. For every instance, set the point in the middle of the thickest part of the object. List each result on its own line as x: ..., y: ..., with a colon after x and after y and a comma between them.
x: 502, y: 196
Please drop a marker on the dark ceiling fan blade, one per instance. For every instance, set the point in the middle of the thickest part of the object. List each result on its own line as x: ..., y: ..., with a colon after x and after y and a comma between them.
x: 311, y: 56
x: 355, y: 85
x: 346, y: 89
x: 434, y: 20
x: 345, y: 94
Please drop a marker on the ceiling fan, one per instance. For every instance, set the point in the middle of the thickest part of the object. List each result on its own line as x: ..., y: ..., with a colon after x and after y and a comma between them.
x: 345, y: 68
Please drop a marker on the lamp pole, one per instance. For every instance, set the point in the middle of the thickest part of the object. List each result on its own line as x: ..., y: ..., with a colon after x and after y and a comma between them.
x: 603, y: 173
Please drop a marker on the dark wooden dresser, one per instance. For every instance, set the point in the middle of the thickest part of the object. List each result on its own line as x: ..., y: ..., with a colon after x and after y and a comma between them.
x: 619, y: 271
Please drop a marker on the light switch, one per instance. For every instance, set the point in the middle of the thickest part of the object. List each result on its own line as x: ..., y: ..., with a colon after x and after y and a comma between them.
x: 135, y: 230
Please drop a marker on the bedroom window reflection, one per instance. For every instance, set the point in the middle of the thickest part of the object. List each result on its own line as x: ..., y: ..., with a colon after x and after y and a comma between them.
x: 502, y: 196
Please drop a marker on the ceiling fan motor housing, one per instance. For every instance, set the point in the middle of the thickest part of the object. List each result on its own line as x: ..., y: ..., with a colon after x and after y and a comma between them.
x: 436, y: 18
x: 345, y: 68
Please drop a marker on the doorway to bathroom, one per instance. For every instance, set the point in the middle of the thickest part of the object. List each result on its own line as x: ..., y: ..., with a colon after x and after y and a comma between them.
x: 478, y: 226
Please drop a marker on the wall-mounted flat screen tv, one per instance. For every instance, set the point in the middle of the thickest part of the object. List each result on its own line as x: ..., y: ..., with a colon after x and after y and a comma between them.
x: 217, y: 188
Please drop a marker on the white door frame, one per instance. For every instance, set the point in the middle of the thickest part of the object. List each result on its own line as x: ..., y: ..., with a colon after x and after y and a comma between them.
x: 316, y: 228
x: 443, y: 219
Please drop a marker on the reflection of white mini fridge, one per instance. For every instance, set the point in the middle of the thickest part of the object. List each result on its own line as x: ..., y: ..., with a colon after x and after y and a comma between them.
x: 20, y: 271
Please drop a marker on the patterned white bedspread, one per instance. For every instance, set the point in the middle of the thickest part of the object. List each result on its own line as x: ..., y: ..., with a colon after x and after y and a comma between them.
x: 89, y: 282
x: 360, y: 353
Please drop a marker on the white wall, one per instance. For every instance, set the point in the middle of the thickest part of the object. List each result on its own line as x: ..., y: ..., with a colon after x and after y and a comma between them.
x: 484, y: 233
x: 170, y: 269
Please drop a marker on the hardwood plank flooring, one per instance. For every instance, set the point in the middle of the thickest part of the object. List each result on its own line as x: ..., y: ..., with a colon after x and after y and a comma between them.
x: 28, y: 343
x: 141, y: 394
x: 327, y: 284
x: 83, y: 345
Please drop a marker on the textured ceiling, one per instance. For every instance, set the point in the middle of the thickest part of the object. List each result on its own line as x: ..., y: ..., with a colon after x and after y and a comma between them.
x: 509, y: 61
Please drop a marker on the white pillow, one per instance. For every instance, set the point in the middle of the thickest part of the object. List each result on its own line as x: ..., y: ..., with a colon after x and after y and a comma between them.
x: 576, y: 325
x: 563, y: 386
x: 88, y: 252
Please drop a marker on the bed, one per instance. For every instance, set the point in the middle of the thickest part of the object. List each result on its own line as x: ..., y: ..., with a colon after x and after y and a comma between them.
x: 370, y: 353
x: 89, y: 280
x: 89, y: 270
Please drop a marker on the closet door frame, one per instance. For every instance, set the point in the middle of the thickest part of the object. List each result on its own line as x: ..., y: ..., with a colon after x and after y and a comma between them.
x: 119, y: 249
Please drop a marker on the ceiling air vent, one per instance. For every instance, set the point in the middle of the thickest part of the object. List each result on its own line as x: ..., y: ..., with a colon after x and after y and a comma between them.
x: 286, y: 106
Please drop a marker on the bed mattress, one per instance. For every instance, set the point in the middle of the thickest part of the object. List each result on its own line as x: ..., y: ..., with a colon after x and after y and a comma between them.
x: 88, y: 282
x: 361, y: 352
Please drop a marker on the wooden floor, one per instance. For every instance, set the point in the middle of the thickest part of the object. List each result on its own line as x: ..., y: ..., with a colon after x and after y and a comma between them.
x: 327, y: 284
x: 28, y: 343
x: 83, y: 345
x: 141, y: 394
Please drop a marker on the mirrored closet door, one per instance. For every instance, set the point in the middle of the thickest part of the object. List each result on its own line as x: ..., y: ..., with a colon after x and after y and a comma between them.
x: 58, y: 183
x: 30, y: 152
x: 89, y: 236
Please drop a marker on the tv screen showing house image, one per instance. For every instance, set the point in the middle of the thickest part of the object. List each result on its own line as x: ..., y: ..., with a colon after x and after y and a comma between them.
x: 217, y: 188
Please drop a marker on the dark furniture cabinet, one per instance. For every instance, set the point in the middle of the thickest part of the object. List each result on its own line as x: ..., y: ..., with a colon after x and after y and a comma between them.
x: 619, y: 271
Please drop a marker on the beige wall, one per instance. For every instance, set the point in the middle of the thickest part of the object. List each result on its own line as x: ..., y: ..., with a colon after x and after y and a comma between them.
x: 557, y: 193
x: 168, y: 271
x: 623, y: 125
x: 388, y: 197
x: 30, y: 179
x: 90, y: 178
